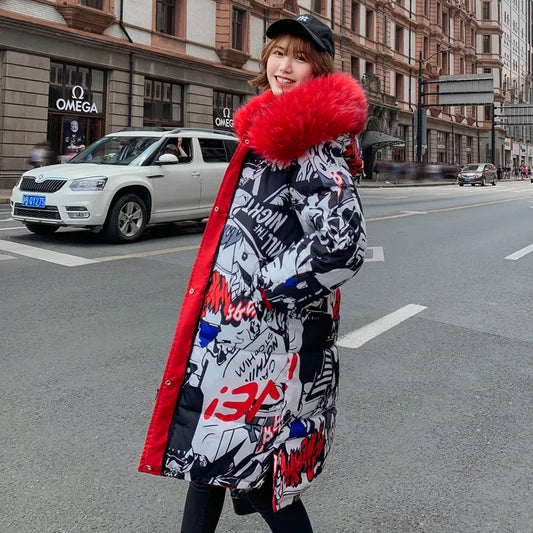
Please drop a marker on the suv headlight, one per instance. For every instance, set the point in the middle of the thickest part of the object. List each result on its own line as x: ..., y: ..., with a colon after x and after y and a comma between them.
x: 88, y: 184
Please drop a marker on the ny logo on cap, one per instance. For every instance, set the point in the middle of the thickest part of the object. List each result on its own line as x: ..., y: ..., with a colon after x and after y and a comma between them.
x: 303, y: 18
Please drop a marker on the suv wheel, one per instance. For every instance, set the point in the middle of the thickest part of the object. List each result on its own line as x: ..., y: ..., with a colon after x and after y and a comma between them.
x: 126, y: 219
x: 41, y: 229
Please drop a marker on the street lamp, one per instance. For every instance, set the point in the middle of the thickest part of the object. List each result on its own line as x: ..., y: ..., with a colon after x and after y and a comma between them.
x: 419, y: 106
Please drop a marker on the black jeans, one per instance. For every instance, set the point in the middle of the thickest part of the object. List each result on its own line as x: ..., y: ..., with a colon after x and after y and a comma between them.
x: 203, y: 507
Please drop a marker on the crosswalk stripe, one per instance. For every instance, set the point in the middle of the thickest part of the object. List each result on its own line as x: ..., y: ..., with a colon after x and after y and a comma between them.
x: 44, y: 255
x: 361, y: 336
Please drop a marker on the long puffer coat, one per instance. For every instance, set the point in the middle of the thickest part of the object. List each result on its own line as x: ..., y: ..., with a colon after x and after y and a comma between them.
x: 251, y: 379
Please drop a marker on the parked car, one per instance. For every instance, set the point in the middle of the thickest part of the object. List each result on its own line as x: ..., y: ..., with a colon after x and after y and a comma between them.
x: 125, y: 181
x: 477, y: 173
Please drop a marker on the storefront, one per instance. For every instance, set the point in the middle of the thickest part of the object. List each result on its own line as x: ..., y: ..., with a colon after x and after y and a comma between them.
x: 224, y: 106
x: 76, y: 108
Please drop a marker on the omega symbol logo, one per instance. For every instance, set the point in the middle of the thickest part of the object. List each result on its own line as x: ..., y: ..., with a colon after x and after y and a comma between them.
x: 77, y: 92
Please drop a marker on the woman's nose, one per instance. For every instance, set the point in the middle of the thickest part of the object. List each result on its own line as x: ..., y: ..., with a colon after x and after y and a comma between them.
x: 286, y: 64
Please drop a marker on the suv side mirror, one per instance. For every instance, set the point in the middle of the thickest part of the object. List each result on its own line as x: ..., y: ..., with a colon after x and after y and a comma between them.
x: 167, y: 159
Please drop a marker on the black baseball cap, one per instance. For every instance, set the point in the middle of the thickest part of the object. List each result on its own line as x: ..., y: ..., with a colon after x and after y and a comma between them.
x: 307, y: 27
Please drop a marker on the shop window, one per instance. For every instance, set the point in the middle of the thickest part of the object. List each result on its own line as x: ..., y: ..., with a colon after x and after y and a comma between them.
x: 75, y: 107
x: 163, y: 103
x: 224, y: 105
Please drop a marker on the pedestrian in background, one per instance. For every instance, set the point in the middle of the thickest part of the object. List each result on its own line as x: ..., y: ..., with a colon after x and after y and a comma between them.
x: 247, y: 400
x: 37, y: 155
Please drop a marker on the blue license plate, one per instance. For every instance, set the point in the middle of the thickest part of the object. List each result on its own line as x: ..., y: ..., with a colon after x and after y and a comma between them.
x: 33, y: 200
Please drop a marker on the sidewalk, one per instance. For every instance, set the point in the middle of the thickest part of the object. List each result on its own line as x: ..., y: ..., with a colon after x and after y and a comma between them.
x: 4, y: 196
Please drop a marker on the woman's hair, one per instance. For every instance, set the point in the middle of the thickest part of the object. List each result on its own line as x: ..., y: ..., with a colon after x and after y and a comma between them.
x: 321, y: 62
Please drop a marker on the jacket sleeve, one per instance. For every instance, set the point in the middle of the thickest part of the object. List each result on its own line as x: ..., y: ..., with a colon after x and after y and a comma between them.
x: 332, y: 247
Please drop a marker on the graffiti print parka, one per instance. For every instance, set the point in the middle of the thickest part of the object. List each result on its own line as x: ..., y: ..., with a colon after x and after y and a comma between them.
x: 251, y: 379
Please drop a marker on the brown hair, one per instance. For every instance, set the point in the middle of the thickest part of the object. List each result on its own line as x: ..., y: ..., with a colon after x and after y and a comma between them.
x: 321, y: 62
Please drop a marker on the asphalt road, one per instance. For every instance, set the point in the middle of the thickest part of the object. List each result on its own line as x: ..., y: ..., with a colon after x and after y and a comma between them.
x: 435, y: 413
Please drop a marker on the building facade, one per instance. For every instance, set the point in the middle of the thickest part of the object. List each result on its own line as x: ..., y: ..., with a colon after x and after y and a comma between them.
x: 73, y: 70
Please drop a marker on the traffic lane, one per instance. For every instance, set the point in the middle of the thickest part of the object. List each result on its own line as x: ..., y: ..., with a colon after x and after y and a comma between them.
x: 454, y: 263
x: 82, y: 364
x: 434, y: 422
x: 162, y: 238
x: 406, y: 416
x: 410, y: 200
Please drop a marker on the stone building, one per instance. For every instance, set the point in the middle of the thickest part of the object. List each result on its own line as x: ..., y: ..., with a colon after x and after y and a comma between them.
x: 97, y: 66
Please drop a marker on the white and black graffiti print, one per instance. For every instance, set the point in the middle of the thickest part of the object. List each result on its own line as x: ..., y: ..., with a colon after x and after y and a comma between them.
x: 261, y: 380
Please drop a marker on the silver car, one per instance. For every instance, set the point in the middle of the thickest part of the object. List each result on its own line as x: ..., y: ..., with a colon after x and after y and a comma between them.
x: 477, y: 173
x: 127, y: 180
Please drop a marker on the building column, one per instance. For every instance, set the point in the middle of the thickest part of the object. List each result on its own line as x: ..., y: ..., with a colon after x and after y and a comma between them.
x: 23, y: 111
x: 198, y: 107
x: 117, y: 108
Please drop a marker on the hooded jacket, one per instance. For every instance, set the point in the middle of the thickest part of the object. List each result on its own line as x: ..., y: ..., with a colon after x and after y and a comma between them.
x: 251, y: 380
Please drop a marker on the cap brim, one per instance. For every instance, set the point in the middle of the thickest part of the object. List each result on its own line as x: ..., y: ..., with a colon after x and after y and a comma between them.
x: 293, y: 27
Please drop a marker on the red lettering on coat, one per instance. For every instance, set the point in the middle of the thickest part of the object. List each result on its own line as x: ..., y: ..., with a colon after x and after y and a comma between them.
x: 302, y: 460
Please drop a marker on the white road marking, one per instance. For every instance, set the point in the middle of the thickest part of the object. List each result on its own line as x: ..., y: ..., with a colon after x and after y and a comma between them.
x: 5, y: 256
x: 520, y: 253
x: 44, y: 255
x: 361, y: 336
x: 14, y: 227
x: 414, y: 212
x: 376, y: 253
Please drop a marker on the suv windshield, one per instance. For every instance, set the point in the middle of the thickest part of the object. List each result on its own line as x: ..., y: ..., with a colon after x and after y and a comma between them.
x: 114, y: 150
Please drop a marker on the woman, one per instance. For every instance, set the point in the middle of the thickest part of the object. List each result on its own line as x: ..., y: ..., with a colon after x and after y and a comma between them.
x: 247, y: 400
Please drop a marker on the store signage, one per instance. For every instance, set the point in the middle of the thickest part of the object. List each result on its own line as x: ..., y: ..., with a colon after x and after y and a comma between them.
x: 225, y: 121
x: 76, y: 102
x: 441, y: 147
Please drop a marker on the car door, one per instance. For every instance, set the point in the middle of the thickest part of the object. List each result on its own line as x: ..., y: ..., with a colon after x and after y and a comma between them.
x: 216, y: 154
x: 176, y: 186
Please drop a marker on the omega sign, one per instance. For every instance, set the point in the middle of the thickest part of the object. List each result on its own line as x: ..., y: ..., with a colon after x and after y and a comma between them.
x: 225, y: 121
x: 76, y: 103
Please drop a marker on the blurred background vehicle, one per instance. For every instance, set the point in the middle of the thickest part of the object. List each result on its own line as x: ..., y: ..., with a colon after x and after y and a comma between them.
x: 477, y: 173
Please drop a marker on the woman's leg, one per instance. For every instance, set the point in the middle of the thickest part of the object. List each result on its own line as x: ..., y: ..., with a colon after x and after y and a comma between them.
x: 292, y: 518
x: 203, y: 507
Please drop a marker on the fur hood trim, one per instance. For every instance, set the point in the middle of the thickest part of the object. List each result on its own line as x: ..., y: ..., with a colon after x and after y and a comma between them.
x: 282, y: 128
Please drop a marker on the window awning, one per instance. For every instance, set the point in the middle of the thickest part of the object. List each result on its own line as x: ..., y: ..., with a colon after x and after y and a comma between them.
x: 377, y: 140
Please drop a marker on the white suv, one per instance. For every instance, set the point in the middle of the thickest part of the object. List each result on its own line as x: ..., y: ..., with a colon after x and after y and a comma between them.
x: 126, y: 180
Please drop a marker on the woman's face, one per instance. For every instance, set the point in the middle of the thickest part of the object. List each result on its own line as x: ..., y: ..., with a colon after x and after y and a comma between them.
x: 287, y: 68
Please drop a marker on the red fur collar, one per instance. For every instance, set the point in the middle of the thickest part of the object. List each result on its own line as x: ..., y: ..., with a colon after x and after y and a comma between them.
x: 281, y: 128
